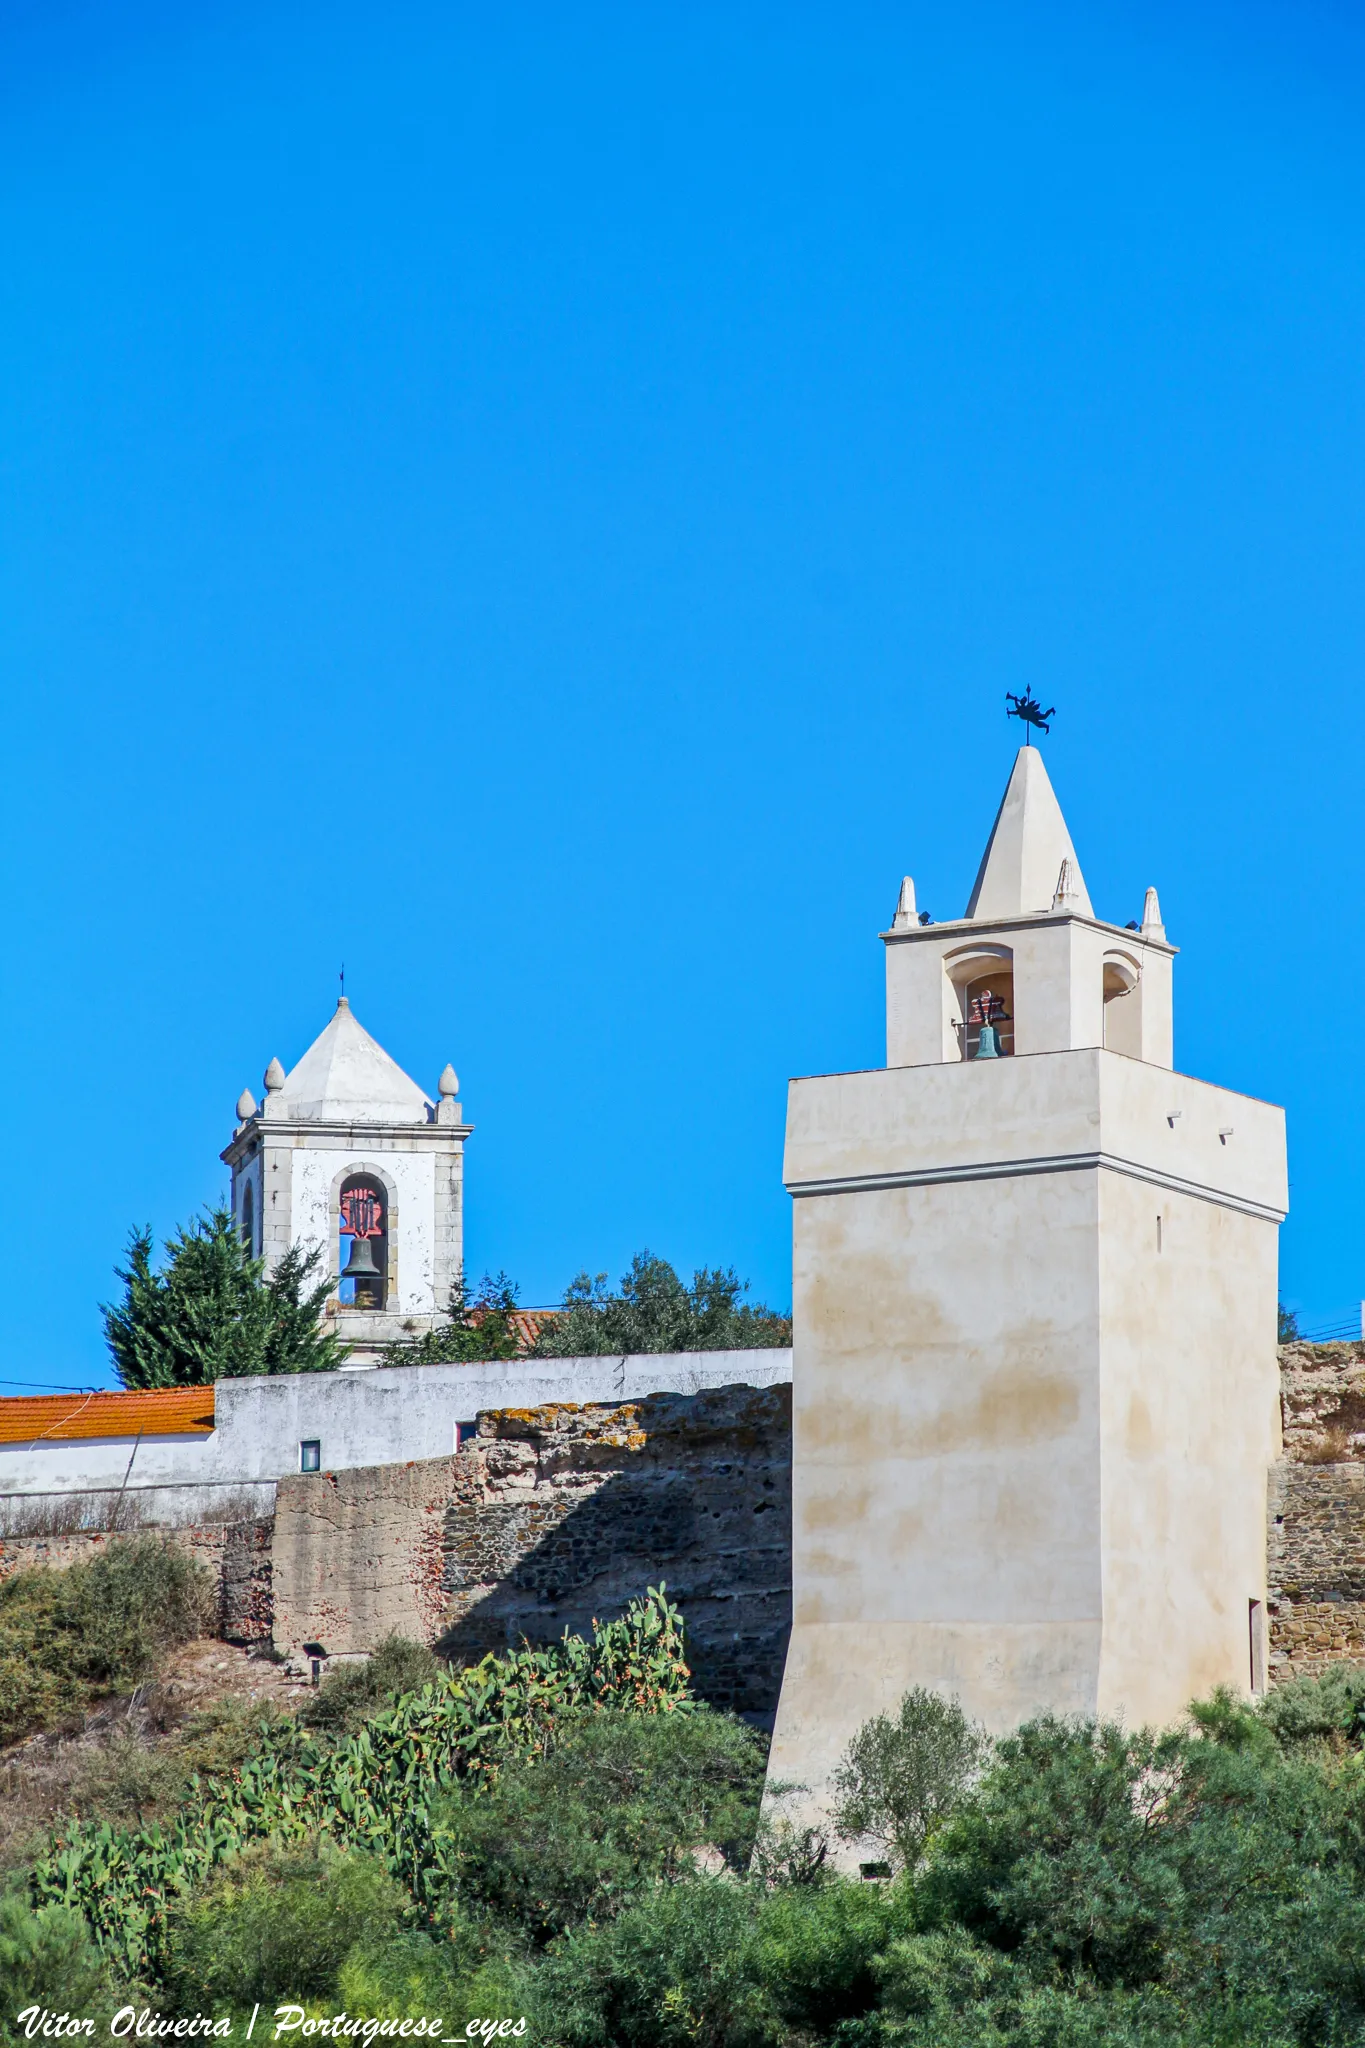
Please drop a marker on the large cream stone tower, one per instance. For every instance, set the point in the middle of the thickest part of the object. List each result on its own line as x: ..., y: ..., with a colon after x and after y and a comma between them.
x: 347, y: 1153
x: 1034, y: 1354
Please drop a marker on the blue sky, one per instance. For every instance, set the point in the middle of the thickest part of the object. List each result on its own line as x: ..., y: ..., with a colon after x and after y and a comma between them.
x: 544, y: 504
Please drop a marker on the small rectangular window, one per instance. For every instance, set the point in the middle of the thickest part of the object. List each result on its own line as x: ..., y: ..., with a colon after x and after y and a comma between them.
x: 310, y: 1455
x: 465, y: 1432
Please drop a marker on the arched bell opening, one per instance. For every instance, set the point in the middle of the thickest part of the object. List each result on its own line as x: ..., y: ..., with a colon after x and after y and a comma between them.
x: 1122, y: 1010
x: 981, y: 1007
x: 364, y: 1242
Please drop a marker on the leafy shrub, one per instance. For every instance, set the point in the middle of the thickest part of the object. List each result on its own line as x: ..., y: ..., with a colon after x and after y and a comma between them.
x: 372, y: 1792
x: 277, y: 1923
x: 478, y: 1326
x: 68, y: 1637
x: 47, y: 1959
x: 818, y: 1947
x: 675, y: 1970
x: 618, y: 1801
x: 468, y: 1975
x: 1328, y: 1709
x: 899, y: 1779
x: 350, y: 1695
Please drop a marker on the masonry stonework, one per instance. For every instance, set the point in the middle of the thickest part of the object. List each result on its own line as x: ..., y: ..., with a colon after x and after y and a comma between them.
x: 1316, y: 1538
x: 551, y: 1517
x: 563, y: 1514
x: 236, y: 1554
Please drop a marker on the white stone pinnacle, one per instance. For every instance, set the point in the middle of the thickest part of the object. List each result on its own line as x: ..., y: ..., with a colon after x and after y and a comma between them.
x: 906, y: 913
x: 1152, y: 927
x: 246, y: 1105
x: 449, y: 1083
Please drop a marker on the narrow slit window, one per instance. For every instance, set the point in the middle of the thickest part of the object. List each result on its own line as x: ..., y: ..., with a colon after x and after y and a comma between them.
x: 310, y: 1455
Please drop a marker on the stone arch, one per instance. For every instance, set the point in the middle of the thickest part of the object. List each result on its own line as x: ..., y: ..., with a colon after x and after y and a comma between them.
x: 370, y: 1169
x: 1122, y: 979
x: 970, y: 970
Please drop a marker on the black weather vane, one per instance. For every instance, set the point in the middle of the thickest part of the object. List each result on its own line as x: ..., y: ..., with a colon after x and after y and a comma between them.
x: 1030, y: 710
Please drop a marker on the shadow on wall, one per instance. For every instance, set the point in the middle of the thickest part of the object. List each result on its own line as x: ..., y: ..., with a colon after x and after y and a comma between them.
x: 707, y: 1514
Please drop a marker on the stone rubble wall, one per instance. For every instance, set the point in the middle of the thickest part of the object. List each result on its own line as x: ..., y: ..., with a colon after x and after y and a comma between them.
x: 562, y: 1514
x: 1316, y: 1536
x: 236, y: 1554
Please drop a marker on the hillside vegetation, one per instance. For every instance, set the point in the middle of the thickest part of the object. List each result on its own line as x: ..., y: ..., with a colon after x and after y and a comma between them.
x: 568, y: 1838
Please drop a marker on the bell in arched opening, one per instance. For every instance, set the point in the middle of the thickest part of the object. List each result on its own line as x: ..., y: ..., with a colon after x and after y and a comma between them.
x: 364, y: 1221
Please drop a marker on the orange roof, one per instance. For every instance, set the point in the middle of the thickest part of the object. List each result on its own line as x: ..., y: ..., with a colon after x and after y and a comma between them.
x: 58, y: 1418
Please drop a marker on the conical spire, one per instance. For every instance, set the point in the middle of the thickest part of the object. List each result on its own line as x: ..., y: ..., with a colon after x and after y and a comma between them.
x: 1028, y: 848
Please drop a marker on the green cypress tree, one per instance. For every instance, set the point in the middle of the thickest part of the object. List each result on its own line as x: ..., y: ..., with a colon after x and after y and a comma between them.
x: 210, y: 1314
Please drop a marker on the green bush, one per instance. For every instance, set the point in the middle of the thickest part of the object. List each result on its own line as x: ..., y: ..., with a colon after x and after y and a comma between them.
x: 817, y: 1949
x: 348, y: 1696
x: 620, y: 1800
x: 47, y: 1959
x: 676, y: 1970
x: 899, y: 1779
x: 374, y: 1791
x: 277, y: 1923
x: 103, y: 1627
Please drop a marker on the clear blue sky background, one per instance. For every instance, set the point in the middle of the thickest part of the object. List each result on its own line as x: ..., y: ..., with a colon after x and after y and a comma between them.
x: 545, y: 503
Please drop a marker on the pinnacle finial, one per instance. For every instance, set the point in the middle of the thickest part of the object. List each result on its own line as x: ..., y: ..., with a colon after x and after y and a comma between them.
x: 906, y: 913
x: 1067, y: 895
x: 246, y: 1106
x: 273, y: 1079
x: 1152, y: 927
x: 449, y: 1083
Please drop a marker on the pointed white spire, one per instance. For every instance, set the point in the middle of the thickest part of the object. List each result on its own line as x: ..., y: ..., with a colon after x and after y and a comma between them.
x: 1152, y: 927
x: 906, y: 913
x: 1028, y: 848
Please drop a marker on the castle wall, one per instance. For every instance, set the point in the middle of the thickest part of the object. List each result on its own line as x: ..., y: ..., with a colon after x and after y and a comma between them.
x: 551, y: 1517
x: 1316, y: 1566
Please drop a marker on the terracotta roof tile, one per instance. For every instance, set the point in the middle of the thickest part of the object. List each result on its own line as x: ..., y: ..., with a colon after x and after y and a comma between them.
x: 62, y: 1418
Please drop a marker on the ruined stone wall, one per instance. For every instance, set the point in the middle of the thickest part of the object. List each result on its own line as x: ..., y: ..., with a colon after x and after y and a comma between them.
x: 549, y: 1518
x: 236, y: 1554
x: 1316, y: 1539
x: 562, y: 1514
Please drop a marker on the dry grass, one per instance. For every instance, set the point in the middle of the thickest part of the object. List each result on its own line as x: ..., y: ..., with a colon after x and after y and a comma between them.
x: 131, y: 1759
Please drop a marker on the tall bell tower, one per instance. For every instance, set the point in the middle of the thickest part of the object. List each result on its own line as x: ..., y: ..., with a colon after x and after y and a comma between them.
x: 1034, y: 1295
x: 346, y: 1152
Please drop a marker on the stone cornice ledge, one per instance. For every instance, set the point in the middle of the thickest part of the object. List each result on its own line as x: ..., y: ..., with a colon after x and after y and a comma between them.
x: 1010, y: 1169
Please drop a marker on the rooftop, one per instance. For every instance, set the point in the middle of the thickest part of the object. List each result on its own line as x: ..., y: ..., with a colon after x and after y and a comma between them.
x: 62, y: 1418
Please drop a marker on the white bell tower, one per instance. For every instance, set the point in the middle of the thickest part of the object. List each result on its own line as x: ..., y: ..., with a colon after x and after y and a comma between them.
x: 347, y: 1152
x: 1034, y: 1287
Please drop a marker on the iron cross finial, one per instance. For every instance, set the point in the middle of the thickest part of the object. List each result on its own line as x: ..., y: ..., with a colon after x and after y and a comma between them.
x: 1030, y: 710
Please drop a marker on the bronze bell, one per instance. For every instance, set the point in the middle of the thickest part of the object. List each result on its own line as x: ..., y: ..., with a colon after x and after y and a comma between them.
x: 361, y: 1265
